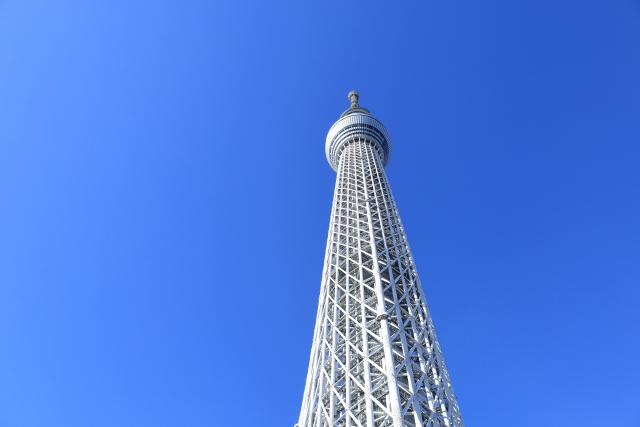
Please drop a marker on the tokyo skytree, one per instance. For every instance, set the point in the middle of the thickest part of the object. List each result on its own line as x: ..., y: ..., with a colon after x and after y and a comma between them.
x: 375, y: 358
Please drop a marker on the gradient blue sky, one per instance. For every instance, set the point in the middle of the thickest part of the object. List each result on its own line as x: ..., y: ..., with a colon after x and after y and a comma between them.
x: 164, y: 202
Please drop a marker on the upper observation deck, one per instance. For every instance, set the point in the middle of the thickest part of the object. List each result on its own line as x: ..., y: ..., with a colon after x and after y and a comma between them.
x: 356, y: 122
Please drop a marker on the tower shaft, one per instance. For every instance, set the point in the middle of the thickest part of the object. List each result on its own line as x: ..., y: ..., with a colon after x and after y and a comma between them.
x: 375, y: 359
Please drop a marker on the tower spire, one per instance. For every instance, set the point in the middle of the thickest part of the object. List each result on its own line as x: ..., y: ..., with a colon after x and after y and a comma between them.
x: 353, y: 97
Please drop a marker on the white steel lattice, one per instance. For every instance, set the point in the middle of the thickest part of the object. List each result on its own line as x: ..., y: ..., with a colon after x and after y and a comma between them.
x: 375, y: 359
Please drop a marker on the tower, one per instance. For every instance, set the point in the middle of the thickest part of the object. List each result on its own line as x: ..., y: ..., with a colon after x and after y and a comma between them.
x: 375, y: 358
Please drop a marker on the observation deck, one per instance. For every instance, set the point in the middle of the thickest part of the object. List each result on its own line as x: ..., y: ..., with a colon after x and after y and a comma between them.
x: 357, y: 122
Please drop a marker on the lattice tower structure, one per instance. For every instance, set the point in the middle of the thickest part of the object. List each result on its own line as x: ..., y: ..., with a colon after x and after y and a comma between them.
x: 375, y: 358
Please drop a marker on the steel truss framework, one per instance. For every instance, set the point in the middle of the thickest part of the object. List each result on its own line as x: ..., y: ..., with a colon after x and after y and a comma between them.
x: 375, y: 359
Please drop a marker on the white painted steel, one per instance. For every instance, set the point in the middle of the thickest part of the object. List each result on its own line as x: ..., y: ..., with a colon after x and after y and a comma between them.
x: 375, y: 358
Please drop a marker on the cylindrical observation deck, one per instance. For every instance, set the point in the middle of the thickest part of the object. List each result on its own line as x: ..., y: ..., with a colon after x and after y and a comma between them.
x: 354, y: 123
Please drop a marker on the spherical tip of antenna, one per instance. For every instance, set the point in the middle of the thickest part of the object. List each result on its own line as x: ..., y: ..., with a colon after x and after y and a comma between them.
x: 353, y: 97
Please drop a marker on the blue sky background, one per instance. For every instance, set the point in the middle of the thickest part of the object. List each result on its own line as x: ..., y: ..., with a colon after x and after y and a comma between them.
x: 164, y: 202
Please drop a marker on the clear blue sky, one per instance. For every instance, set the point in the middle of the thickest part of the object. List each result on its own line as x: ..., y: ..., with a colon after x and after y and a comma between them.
x: 164, y: 202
